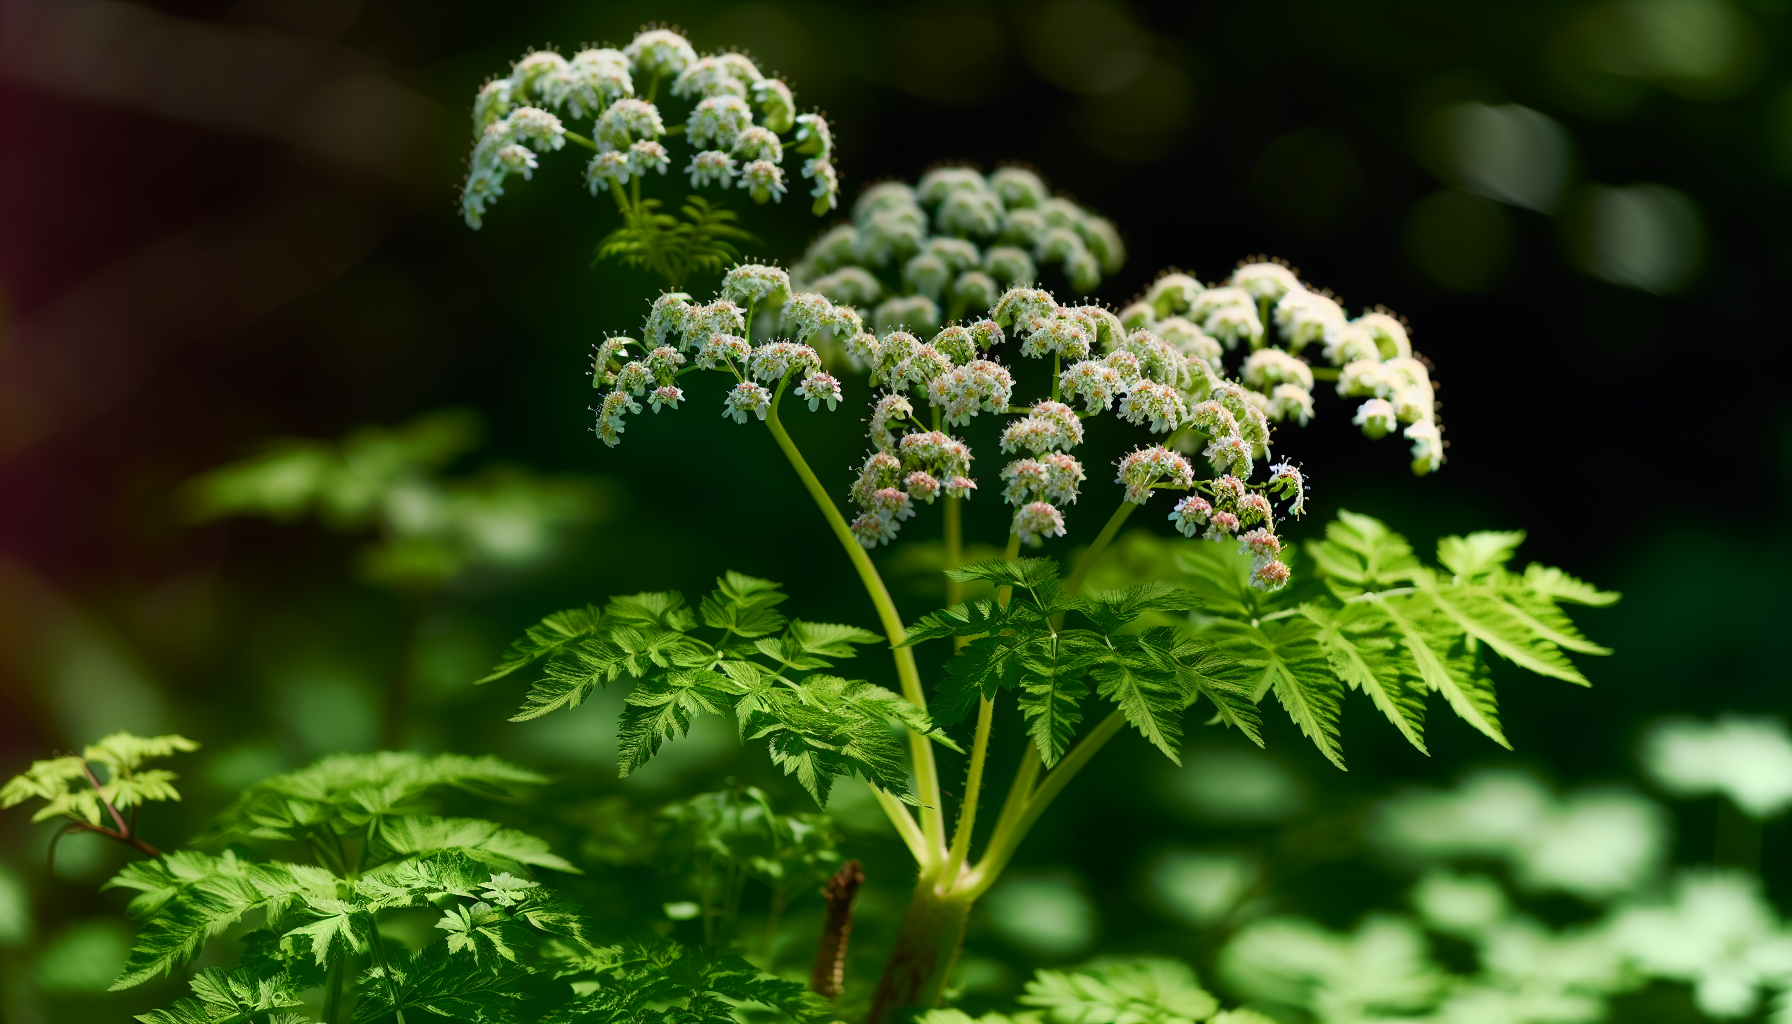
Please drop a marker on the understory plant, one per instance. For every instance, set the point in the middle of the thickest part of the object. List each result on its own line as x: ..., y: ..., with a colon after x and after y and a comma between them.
x: 1201, y: 374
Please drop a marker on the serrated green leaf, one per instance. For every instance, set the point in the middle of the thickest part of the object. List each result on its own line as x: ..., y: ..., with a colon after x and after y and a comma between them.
x: 1022, y: 572
x: 1480, y: 614
x: 548, y: 637
x: 830, y: 639
x: 1109, y: 610
x: 197, y: 898
x: 1052, y: 690
x: 662, y: 708
x: 1143, y: 990
x: 1361, y: 647
x: 743, y: 605
x: 1557, y: 585
x: 484, y: 841
x: 1443, y: 665
x: 1139, y: 676
x: 123, y: 751
x: 1285, y: 657
x: 973, y: 618
x: 1219, y: 578
x: 661, y: 610
x: 984, y: 667
x: 227, y: 997
x: 1361, y: 553
x: 1478, y: 555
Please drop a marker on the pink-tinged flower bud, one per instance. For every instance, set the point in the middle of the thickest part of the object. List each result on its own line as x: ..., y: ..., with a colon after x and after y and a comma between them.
x: 1259, y: 542
x: 818, y: 388
x: 746, y: 397
x: 1036, y: 521
x: 956, y: 344
x: 960, y: 487
x: 1221, y: 526
x: 1227, y: 490
x: 665, y: 395
x: 1270, y: 576
x: 1064, y: 475
x: 922, y: 486
x: 1146, y: 467
x: 891, y: 503
x: 723, y: 350
x: 881, y: 469
x: 1255, y: 508
x: 871, y: 530
x: 1230, y: 455
x: 771, y: 361
x: 1156, y: 404
x: 634, y: 378
x: 1026, y: 479
x: 1213, y: 419
x: 664, y: 362
x: 888, y: 408
x: 666, y: 317
x: 1190, y: 514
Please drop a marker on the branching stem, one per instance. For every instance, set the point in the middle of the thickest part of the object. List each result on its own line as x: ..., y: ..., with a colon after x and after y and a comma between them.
x: 926, y: 771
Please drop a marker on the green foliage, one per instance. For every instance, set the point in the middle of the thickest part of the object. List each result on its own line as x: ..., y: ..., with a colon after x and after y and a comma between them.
x: 1151, y: 675
x: 1131, y: 990
x: 430, y: 528
x: 70, y: 790
x: 764, y: 669
x: 363, y: 795
x: 1371, y: 616
x: 665, y: 983
x: 703, y: 242
x: 501, y: 936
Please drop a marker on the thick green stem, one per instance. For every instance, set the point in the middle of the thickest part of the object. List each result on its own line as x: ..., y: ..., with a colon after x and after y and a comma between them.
x: 1007, y: 839
x: 927, y: 781
x: 973, y: 791
x: 954, y: 548
x: 577, y: 139
x: 333, y: 986
x: 926, y: 947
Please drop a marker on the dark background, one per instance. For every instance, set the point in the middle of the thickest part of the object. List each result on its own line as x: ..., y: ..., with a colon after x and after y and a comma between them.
x: 225, y: 222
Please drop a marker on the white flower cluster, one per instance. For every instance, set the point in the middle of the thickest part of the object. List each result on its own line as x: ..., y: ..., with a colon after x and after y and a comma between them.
x: 1372, y: 353
x: 951, y: 243
x: 734, y: 125
x: 715, y: 336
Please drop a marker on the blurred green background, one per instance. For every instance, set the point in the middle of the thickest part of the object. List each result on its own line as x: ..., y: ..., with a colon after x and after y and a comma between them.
x: 231, y: 222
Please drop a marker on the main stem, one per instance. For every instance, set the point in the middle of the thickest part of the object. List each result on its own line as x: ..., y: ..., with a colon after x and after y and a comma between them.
x: 927, y: 781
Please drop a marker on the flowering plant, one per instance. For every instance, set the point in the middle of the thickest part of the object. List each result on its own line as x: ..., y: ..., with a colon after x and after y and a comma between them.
x: 1205, y: 373
x: 738, y: 125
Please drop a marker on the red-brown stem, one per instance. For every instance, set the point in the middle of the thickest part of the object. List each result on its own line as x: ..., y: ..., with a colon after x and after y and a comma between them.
x: 828, y: 976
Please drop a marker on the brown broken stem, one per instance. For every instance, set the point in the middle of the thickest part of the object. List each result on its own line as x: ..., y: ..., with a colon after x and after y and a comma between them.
x: 828, y: 976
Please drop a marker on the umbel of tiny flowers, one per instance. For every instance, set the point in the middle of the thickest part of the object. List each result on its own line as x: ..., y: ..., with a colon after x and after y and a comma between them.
x: 767, y: 334
x: 921, y: 256
x: 1265, y: 306
x: 735, y: 128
